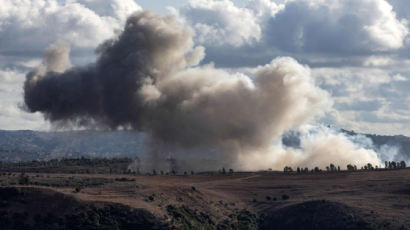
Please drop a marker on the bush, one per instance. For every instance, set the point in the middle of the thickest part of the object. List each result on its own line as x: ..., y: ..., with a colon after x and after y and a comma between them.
x: 151, y: 198
x: 77, y: 189
x: 24, y: 179
x: 285, y: 197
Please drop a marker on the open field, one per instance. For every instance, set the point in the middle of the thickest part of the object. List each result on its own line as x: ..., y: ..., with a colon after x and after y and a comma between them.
x: 368, y: 199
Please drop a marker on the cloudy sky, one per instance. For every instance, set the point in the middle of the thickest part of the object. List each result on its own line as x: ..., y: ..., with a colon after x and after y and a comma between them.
x: 358, y: 51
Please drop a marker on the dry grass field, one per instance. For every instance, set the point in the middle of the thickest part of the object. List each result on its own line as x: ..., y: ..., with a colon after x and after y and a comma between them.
x: 374, y: 199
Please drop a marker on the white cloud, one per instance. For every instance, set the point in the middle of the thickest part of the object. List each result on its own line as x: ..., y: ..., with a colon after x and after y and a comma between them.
x: 337, y: 26
x: 339, y: 32
x: 221, y: 22
x: 30, y: 26
x: 11, y: 116
x: 368, y: 99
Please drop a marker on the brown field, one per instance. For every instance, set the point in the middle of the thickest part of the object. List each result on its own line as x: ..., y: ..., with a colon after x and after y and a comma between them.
x: 381, y: 197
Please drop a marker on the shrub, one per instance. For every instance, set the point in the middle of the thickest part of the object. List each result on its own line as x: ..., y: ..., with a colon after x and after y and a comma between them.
x: 24, y: 179
x: 287, y: 169
x: 285, y: 197
x: 77, y: 189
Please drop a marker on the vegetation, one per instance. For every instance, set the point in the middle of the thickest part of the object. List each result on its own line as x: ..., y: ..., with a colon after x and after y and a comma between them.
x: 287, y: 169
x: 24, y: 179
x: 349, y: 167
x: 38, y: 214
x: 183, y: 218
x: 74, y: 166
x: 395, y: 165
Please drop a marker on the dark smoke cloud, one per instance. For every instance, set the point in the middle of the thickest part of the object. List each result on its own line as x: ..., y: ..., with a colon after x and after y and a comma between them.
x: 114, y: 90
x: 145, y: 79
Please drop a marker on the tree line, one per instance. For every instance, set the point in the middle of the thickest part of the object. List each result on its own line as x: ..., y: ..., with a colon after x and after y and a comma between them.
x: 349, y: 167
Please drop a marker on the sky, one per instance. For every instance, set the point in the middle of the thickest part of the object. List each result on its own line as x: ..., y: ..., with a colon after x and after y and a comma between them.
x: 358, y: 51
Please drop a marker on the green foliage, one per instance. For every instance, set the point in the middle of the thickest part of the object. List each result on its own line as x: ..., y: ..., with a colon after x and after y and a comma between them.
x: 287, y: 169
x: 350, y: 167
x: 24, y: 179
x: 186, y: 218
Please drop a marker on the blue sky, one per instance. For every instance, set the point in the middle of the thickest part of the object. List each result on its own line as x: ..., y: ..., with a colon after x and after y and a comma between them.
x: 358, y: 51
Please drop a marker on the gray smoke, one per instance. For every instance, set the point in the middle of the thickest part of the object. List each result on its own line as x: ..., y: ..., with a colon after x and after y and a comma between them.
x: 148, y: 79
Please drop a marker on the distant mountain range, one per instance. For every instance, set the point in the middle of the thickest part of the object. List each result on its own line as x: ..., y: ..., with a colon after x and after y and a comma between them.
x: 27, y: 145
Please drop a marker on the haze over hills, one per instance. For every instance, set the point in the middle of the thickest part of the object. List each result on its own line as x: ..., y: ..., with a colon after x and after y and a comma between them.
x: 27, y: 145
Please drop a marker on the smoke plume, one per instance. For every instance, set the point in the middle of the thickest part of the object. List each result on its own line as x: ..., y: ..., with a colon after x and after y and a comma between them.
x: 149, y: 79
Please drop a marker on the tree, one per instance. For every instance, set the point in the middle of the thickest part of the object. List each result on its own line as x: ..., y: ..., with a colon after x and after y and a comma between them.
x: 370, y: 166
x: 393, y: 164
x: 317, y: 169
x: 350, y: 167
x: 223, y: 171
x: 332, y: 167
x: 402, y: 164
x: 287, y: 169
x: 298, y: 170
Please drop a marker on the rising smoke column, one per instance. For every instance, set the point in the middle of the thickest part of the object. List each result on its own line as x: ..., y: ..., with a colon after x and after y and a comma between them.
x: 148, y: 79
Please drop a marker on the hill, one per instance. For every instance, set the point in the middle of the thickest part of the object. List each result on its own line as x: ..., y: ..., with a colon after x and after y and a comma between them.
x: 27, y: 145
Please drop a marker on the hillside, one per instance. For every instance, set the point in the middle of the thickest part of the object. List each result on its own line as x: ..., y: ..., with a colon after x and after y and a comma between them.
x: 27, y: 145
x: 358, y: 200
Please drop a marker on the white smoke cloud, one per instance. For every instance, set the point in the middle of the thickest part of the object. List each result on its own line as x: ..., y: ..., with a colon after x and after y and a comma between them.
x: 319, y: 147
